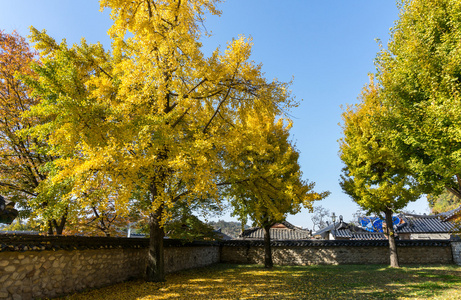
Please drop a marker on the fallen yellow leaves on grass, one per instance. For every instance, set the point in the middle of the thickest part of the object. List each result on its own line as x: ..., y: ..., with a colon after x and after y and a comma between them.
x: 224, y: 281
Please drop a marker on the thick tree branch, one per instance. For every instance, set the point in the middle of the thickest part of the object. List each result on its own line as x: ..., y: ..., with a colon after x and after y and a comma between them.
x: 217, y: 109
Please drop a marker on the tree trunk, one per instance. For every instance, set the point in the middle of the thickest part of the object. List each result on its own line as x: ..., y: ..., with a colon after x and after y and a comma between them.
x: 394, y: 259
x: 155, y: 261
x: 60, y: 227
x: 50, y: 228
x: 268, y: 263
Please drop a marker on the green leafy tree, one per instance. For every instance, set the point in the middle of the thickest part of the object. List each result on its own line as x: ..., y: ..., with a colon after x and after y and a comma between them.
x: 232, y: 229
x: 269, y: 180
x: 375, y: 177
x: 24, y: 163
x: 420, y: 74
x: 154, y: 121
x: 443, y: 202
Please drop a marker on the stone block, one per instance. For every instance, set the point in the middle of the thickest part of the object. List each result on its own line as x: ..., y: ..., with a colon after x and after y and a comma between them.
x: 3, y: 278
x: 10, y: 269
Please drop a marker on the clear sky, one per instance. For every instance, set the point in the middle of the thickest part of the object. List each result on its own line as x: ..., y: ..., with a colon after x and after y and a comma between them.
x: 327, y: 46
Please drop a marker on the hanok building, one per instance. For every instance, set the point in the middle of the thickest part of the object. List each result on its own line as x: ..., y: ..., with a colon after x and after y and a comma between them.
x: 410, y: 227
x: 283, y: 231
x: 345, y: 231
x: 427, y: 227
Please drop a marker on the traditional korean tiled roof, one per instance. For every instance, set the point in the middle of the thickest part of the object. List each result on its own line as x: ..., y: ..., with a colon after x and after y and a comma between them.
x: 343, y: 233
x: 334, y: 226
x: 424, y: 224
x: 368, y: 236
x: 343, y: 230
x: 280, y: 231
x: 445, y: 216
x: 355, y: 233
x: 337, y: 243
x: 221, y: 235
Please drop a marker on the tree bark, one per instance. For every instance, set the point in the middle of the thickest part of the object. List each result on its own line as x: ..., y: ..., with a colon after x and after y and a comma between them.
x: 394, y: 259
x: 268, y: 263
x: 155, y: 260
x: 60, y: 227
x: 50, y: 228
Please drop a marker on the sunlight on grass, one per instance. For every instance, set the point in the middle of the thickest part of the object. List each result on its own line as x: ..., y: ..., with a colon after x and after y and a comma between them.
x: 298, y: 282
x: 206, y: 280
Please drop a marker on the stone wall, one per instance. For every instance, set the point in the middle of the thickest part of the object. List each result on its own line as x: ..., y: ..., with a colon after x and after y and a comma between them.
x: 50, y: 266
x: 39, y: 267
x: 456, y: 248
x: 338, y: 252
x: 33, y: 274
x: 188, y: 257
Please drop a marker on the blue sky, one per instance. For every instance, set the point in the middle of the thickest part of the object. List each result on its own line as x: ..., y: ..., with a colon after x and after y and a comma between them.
x: 327, y: 46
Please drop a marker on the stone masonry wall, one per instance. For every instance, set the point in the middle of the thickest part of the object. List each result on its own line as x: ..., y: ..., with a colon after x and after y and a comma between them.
x: 333, y: 253
x: 40, y: 267
x: 49, y: 273
x: 181, y: 258
x: 456, y: 248
x: 36, y: 274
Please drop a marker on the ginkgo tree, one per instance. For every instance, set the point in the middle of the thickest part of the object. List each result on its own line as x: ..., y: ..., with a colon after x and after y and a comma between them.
x: 420, y: 74
x: 24, y: 162
x: 375, y: 176
x: 270, y: 184
x: 153, y: 120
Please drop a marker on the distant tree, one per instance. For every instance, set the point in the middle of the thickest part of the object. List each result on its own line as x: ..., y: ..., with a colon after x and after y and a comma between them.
x: 233, y: 229
x: 359, y: 213
x: 319, y: 218
x: 443, y: 202
x: 22, y: 225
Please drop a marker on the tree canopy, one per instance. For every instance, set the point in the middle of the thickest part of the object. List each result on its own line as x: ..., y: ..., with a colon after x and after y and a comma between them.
x: 374, y: 176
x: 419, y: 74
x: 24, y: 160
x: 269, y: 178
x: 154, y: 123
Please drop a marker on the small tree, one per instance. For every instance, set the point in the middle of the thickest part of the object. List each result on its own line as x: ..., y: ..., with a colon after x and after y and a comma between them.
x: 318, y: 219
x: 267, y: 183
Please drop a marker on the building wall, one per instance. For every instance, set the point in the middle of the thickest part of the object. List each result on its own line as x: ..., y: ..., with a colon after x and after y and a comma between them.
x: 456, y: 249
x: 49, y: 273
x: 424, y: 236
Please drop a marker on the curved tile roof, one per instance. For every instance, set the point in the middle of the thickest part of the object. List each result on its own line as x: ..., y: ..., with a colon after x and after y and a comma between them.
x: 449, y: 214
x: 280, y: 231
x: 337, y: 243
x: 424, y: 224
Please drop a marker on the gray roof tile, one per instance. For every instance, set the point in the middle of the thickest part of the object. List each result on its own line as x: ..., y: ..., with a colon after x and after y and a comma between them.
x: 423, y: 224
x: 291, y: 232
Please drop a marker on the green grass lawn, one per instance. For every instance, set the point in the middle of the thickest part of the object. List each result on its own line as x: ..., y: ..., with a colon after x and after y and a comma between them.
x: 225, y: 281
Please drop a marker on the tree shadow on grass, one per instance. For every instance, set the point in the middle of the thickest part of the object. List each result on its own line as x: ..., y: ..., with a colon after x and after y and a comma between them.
x: 223, y: 281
